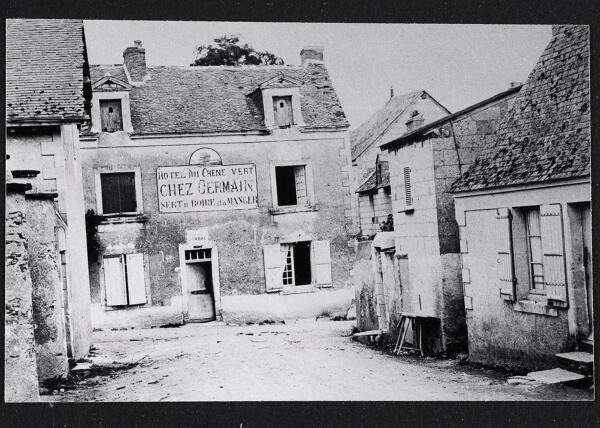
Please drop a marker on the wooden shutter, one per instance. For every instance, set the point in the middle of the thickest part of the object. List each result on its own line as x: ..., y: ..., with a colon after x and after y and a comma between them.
x: 282, y: 109
x: 114, y: 283
x: 408, y: 199
x: 300, y: 177
x: 136, y: 284
x: 555, y: 278
x: 322, y: 261
x: 110, y: 115
x: 274, y: 264
x: 506, y: 271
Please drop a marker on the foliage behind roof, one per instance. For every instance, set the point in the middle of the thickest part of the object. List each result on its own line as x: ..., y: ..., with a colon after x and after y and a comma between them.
x: 213, y: 99
x: 44, y: 70
x: 373, y: 130
x: 546, y: 134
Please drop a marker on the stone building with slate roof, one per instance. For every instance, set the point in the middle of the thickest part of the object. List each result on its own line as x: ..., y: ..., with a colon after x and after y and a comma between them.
x: 218, y: 190
x: 47, y: 290
x: 400, y: 114
x: 417, y: 266
x: 524, y: 217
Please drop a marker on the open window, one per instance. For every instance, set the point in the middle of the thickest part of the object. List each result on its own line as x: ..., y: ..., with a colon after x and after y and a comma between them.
x: 291, y: 185
x: 111, y: 116
x: 124, y: 280
x: 296, y: 264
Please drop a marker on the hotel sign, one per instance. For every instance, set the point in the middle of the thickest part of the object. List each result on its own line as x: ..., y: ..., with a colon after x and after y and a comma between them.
x: 206, y: 188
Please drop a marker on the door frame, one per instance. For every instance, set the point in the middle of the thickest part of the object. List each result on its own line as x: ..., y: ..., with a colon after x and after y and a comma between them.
x: 185, y: 277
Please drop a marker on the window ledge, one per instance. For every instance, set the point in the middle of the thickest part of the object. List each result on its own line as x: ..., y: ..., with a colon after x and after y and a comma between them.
x: 407, y: 210
x: 123, y: 218
x: 297, y: 289
x: 533, y: 307
x: 293, y: 209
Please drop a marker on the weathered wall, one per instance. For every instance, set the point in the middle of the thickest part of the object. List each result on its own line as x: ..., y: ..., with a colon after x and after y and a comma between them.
x: 54, y: 151
x: 382, y: 207
x: 21, y: 380
x: 239, y: 234
x: 523, y: 334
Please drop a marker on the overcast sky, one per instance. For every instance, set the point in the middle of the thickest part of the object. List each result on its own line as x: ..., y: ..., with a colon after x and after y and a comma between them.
x: 458, y: 65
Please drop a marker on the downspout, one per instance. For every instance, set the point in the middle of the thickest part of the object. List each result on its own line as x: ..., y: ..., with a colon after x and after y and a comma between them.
x: 456, y: 148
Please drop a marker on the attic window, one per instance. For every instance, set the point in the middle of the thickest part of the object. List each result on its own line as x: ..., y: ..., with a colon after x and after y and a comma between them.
x: 282, y: 110
x: 111, y: 118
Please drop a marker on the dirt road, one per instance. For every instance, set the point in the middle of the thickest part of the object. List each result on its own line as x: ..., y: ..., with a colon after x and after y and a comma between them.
x: 303, y: 360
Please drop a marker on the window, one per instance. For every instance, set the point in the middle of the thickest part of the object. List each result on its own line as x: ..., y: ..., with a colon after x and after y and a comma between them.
x: 408, y: 199
x: 291, y: 185
x: 372, y: 207
x: 118, y: 192
x: 534, y: 249
x: 111, y: 118
x: 297, y: 263
x: 282, y: 110
x: 124, y: 280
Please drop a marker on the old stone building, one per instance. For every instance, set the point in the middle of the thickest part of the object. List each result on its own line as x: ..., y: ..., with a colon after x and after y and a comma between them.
x: 416, y: 267
x: 525, y: 219
x: 215, y: 190
x: 402, y: 113
x: 46, y: 99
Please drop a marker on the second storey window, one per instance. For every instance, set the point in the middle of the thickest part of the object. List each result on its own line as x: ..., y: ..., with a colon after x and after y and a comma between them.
x: 291, y: 185
x: 282, y: 109
x: 118, y: 192
x: 111, y: 118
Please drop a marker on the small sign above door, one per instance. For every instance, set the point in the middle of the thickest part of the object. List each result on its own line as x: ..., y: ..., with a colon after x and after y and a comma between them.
x: 193, y: 236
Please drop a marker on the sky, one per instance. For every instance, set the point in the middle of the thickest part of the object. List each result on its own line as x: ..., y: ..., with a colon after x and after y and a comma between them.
x: 459, y: 65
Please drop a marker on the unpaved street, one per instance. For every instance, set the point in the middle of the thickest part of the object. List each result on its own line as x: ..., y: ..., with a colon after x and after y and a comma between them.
x: 303, y: 360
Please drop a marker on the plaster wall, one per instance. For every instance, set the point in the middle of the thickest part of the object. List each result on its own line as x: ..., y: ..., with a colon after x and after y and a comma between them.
x: 521, y: 334
x: 239, y: 234
x: 21, y: 379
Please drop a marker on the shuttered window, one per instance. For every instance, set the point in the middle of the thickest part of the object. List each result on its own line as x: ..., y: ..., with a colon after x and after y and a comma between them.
x: 282, y: 110
x: 124, y: 280
x: 408, y: 199
x: 534, y: 249
x: 553, y: 254
x: 291, y: 185
x: 505, y: 263
x: 111, y: 118
x: 118, y: 192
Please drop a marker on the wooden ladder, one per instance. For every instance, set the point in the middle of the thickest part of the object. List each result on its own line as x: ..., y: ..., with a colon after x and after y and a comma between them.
x: 413, y: 321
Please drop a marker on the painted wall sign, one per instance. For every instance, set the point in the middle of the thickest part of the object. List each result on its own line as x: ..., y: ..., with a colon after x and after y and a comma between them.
x: 194, y: 236
x: 206, y: 188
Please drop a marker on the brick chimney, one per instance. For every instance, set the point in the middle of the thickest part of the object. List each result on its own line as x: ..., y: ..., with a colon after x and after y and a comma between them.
x: 134, y: 58
x: 311, y: 54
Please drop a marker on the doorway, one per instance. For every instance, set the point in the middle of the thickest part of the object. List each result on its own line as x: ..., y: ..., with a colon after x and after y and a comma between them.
x: 297, y: 269
x: 198, y: 284
x: 586, y: 226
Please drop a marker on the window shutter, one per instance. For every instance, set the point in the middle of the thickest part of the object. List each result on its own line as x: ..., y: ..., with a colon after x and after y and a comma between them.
x: 136, y: 285
x: 506, y: 275
x: 554, y: 256
x: 322, y: 260
x: 407, y: 187
x: 300, y: 177
x: 274, y: 264
x: 114, y: 285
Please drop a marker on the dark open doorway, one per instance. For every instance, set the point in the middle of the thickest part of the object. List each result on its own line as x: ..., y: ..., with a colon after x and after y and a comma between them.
x: 302, y: 263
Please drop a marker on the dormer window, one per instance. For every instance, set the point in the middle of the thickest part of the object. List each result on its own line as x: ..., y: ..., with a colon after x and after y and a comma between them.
x: 111, y: 117
x: 282, y: 110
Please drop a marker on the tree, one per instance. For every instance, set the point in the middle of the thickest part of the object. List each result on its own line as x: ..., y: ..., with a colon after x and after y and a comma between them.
x: 229, y: 52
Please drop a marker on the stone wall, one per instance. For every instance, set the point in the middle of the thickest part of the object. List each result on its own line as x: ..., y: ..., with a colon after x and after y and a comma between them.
x: 21, y: 380
x: 382, y: 207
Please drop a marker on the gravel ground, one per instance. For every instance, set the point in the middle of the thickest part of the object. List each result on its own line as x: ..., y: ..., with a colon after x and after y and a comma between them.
x: 301, y: 360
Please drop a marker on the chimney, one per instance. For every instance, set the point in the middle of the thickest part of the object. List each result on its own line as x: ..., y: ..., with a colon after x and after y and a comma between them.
x: 134, y: 59
x: 416, y: 121
x: 311, y: 54
x: 515, y: 84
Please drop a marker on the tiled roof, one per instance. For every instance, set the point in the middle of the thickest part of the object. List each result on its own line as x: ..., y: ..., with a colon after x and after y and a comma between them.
x: 546, y: 134
x: 44, y: 70
x: 373, y: 129
x: 370, y: 183
x: 213, y: 99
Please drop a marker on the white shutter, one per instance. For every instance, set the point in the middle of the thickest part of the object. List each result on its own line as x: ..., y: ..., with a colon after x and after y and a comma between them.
x: 300, y: 176
x: 322, y: 260
x: 114, y: 284
x: 136, y: 285
x: 408, y: 199
x: 506, y: 276
x: 273, y: 267
x: 555, y: 278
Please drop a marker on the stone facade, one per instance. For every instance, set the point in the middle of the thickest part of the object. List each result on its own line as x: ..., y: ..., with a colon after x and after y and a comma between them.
x: 21, y: 379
